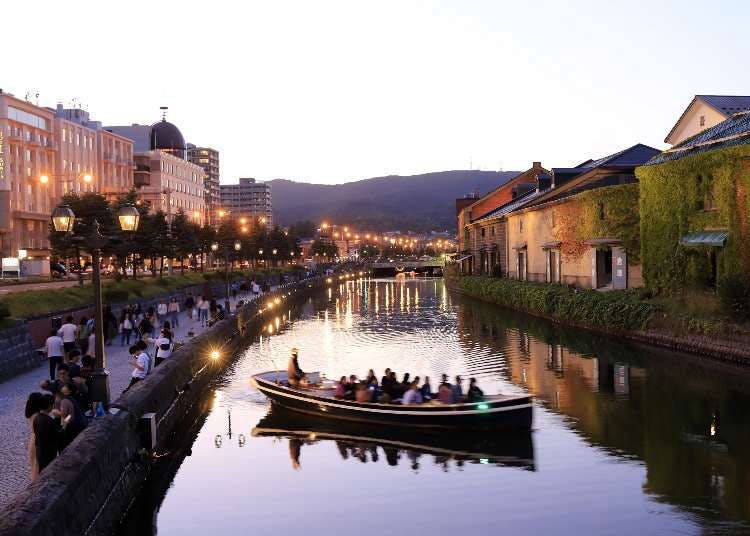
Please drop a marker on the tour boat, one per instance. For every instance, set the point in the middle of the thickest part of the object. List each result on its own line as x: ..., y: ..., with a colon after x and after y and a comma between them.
x: 494, y: 412
x: 512, y: 449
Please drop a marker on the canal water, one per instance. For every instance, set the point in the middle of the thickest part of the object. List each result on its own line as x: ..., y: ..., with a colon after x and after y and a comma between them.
x: 626, y: 439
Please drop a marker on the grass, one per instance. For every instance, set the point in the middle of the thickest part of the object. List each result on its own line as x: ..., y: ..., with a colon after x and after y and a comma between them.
x: 39, y: 302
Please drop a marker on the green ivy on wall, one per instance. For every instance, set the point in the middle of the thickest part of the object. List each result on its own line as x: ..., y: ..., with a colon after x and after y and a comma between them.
x: 609, y: 212
x: 700, y: 192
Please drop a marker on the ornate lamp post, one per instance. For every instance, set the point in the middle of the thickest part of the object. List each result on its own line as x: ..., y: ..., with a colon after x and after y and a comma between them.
x: 63, y: 220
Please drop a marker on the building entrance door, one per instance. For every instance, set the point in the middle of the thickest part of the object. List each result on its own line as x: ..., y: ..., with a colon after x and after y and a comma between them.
x: 603, y: 268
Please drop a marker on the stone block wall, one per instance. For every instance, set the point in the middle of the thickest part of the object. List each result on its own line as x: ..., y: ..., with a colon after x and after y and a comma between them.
x: 17, y: 351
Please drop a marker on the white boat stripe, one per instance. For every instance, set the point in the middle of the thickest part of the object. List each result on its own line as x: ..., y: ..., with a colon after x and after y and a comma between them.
x: 401, y: 412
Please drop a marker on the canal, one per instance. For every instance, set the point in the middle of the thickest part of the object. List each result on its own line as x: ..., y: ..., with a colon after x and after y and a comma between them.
x: 626, y: 439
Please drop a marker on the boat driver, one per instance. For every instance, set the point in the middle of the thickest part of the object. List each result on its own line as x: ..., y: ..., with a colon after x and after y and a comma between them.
x: 294, y: 372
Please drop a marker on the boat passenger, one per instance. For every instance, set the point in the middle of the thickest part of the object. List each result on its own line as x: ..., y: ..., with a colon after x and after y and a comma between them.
x: 412, y: 396
x: 426, y: 389
x: 372, y: 379
x: 445, y: 394
x: 362, y: 393
x: 458, y: 392
x: 340, y: 388
x: 350, y: 387
x: 385, y: 382
x: 475, y: 394
x: 294, y: 373
x: 444, y: 381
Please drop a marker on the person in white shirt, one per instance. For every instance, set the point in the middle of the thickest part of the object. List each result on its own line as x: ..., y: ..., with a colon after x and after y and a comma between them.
x: 141, y: 364
x: 53, y: 347
x: 91, y: 350
x: 161, y: 311
x: 203, y: 309
x: 164, y: 346
x: 68, y: 331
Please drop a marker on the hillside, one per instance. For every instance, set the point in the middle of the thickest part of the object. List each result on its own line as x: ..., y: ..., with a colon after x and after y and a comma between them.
x: 418, y: 202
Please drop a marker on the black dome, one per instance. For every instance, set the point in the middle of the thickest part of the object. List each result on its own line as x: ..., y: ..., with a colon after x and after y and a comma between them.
x: 167, y: 137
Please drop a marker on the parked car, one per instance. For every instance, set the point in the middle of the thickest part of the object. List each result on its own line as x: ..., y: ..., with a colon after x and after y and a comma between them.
x: 57, y: 269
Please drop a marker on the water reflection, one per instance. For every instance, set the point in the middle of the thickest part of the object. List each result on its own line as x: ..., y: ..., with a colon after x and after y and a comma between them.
x: 364, y: 442
x: 628, y: 439
x: 685, y: 418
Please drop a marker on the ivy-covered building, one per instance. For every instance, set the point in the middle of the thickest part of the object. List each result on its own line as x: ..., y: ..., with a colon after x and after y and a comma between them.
x: 694, y: 209
x: 582, y: 230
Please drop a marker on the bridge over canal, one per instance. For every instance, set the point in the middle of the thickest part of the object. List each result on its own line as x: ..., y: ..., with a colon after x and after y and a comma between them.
x: 431, y: 266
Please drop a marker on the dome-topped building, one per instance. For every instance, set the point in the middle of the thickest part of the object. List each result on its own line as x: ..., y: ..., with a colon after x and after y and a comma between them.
x: 168, y: 138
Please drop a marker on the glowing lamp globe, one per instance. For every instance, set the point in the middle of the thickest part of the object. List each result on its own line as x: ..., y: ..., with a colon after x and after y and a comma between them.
x: 63, y: 219
x: 129, y: 217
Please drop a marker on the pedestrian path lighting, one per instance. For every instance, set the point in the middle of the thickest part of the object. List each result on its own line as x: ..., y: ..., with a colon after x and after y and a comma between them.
x: 63, y: 221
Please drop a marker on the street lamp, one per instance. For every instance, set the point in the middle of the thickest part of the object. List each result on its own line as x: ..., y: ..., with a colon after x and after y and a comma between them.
x: 63, y: 220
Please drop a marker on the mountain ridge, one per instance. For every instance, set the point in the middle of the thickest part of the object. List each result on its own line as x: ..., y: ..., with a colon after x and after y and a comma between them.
x: 423, y: 202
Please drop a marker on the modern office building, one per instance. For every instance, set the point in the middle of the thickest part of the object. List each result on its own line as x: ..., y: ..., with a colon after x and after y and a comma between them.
x: 91, y: 159
x: 208, y: 159
x: 249, y: 199
x: 163, y: 175
x: 45, y: 153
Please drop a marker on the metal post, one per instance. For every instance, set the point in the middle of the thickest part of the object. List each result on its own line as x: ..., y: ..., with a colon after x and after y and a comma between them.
x: 226, y: 283
x: 100, y: 376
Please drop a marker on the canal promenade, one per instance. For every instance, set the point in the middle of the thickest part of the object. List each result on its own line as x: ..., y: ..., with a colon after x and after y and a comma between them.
x: 14, y: 392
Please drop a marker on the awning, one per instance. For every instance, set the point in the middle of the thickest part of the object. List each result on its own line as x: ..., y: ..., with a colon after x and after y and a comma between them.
x: 705, y: 238
x: 522, y: 245
x: 462, y: 259
x: 551, y: 245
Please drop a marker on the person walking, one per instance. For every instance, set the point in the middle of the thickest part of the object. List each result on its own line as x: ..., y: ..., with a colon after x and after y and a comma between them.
x: 203, y: 308
x: 110, y: 325
x: 174, y: 313
x: 46, y: 433
x: 126, y: 328
x: 82, y: 337
x: 189, y: 304
x: 53, y: 347
x: 161, y: 310
x: 32, y: 409
x: 68, y: 331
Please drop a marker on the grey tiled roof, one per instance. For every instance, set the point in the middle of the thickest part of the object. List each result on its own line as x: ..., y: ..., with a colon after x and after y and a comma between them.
x: 737, y: 128
x: 510, y: 206
x: 729, y: 104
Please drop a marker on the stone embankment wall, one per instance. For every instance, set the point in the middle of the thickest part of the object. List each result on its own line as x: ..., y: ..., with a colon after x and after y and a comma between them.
x: 86, y: 489
x: 17, y: 352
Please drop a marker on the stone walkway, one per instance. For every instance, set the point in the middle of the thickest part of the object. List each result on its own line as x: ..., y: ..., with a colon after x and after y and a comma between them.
x: 14, y: 428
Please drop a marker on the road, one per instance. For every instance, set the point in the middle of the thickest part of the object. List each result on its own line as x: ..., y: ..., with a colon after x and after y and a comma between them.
x: 14, y: 392
x: 39, y: 285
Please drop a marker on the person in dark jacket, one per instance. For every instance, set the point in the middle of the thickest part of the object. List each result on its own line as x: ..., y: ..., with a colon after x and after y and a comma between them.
x: 475, y: 394
x: 46, y: 432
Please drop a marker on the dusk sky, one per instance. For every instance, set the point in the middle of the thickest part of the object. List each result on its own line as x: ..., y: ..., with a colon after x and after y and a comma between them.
x: 337, y: 91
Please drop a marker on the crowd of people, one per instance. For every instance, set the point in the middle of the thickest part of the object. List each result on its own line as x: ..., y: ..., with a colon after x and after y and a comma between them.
x: 408, y: 390
x: 389, y: 390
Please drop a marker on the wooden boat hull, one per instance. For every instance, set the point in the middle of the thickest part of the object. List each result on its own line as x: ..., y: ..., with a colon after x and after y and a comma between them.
x: 493, y: 413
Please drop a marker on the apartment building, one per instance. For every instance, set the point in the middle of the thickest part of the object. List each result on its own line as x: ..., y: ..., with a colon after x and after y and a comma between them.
x: 249, y: 199
x: 208, y: 159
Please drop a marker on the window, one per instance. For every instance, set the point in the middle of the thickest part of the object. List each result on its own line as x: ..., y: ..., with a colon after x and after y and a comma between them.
x: 602, y: 211
x: 26, y: 118
x: 492, y: 230
x: 709, y: 202
x: 482, y: 232
x: 702, y: 120
x: 520, y: 225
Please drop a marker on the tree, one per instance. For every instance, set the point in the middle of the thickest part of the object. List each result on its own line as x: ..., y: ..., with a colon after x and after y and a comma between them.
x: 303, y: 229
x: 185, y: 237
x: 323, y: 249
x: 369, y: 251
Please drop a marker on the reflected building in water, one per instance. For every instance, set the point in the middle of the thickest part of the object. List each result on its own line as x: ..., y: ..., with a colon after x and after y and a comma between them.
x: 672, y: 411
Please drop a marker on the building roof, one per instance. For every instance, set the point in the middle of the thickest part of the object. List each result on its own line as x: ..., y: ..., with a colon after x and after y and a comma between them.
x: 632, y: 156
x: 724, y: 104
x: 727, y: 104
x: 167, y: 137
x: 733, y: 131
x: 510, y: 206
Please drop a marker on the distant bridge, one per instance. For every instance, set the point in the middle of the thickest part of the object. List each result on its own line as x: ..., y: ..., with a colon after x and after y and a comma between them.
x: 394, y: 266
